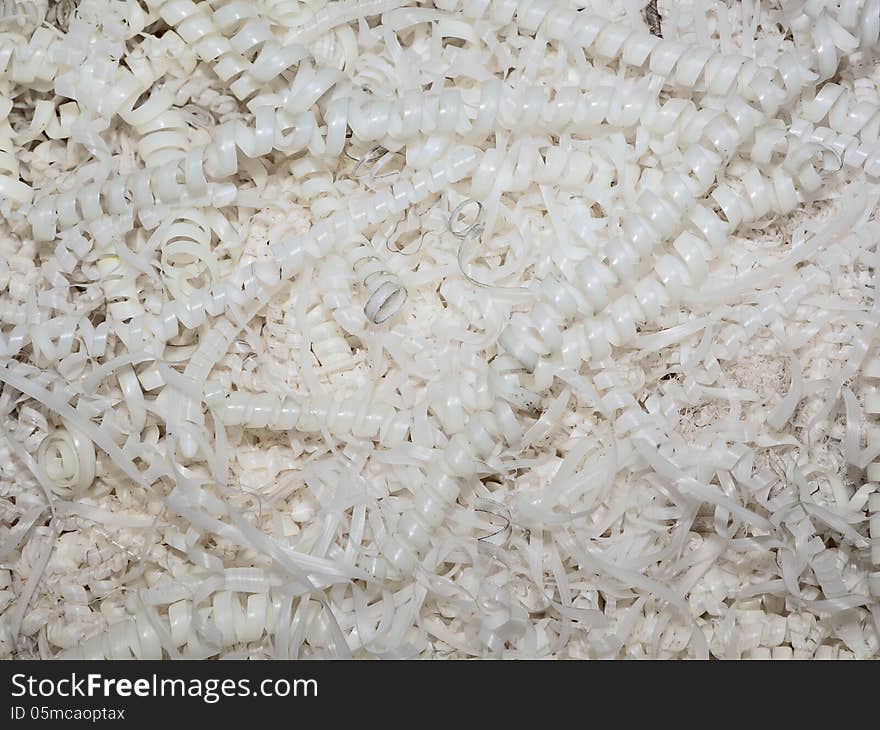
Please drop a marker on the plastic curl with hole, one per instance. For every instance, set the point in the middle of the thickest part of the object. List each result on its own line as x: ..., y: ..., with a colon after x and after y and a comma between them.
x: 67, y: 458
x: 187, y: 261
x: 384, y: 293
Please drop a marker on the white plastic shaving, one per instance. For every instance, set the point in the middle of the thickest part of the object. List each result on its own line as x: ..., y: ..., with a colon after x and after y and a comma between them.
x: 474, y: 328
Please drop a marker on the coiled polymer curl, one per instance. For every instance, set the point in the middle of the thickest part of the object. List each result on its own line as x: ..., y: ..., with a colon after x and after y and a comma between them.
x: 371, y: 120
x: 385, y: 294
x: 317, y: 189
x: 399, y: 553
x: 328, y: 343
x: 138, y: 638
x: 125, y: 195
x: 38, y: 62
x: 249, y: 283
x: 174, y: 173
x: 862, y: 19
x: 536, y: 109
x: 34, y: 64
x: 856, y: 124
x: 119, y: 282
x: 833, y: 31
x: 12, y: 188
x: 542, y: 331
x: 612, y: 318
x: 687, y: 66
x: 458, y: 164
x: 244, y: 52
x: 48, y: 120
x: 248, y: 35
x: 186, y: 175
x: 617, y: 401
x: 164, y: 129
x: 334, y: 283
x: 182, y: 179
x: 68, y: 460
x: 233, y: 39
x: 484, y: 412
x: 230, y: 618
x: 370, y: 419
x: 662, y: 211
x: 188, y: 263
x: 332, y: 15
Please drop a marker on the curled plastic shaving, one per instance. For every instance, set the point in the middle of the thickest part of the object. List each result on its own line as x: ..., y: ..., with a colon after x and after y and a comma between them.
x: 187, y: 256
x: 385, y: 294
x: 835, y: 31
x: 68, y: 459
x: 464, y: 230
x: 487, y: 328
x: 12, y: 188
